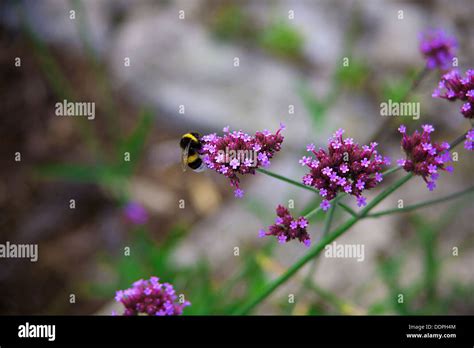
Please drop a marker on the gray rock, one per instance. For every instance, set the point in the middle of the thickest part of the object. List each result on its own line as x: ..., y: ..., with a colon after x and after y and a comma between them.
x: 176, y: 62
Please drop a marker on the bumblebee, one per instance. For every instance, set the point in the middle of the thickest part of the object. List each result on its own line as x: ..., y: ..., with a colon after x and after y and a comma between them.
x: 191, y: 145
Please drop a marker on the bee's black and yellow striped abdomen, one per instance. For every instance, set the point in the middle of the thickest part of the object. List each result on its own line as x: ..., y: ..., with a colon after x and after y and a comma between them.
x: 194, y: 161
x: 190, y: 143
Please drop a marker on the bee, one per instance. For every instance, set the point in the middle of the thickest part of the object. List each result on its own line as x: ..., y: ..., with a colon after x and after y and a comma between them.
x: 191, y: 144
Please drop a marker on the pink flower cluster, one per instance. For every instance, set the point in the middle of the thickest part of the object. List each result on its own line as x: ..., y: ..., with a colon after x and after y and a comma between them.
x: 343, y: 167
x: 454, y: 87
x: 287, y: 228
x: 424, y: 157
x: 238, y: 153
x: 150, y: 297
x: 438, y: 48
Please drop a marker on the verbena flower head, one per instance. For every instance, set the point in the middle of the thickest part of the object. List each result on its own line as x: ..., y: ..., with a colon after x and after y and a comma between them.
x: 438, y: 48
x: 237, y: 153
x: 343, y: 167
x: 150, y: 297
x: 424, y: 157
x: 287, y: 228
x: 454, y: 87
x: 135, y: 213
x: 469, y: 143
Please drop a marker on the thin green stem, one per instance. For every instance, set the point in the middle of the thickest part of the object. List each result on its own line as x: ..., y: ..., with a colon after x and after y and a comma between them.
x: 329, y: 217
x: 347, y: 208
x: 391, y: 170
x: 312, y: 212
x: 327, y: 226
x: 381, y: 130
x: 308, y: 279
x: 285, y: 179
x: 316, y: 201
x: 416, y: 82
x: 309, y: 188
x: 318, y: 208
x: 458, y: 140
x: 247, y: 308
x: 421, y: 204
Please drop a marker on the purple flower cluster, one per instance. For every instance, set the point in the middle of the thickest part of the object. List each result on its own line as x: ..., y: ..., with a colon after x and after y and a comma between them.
x: 454, y: 87
x: 469, y: 143
x: 438, y: 48
x: 423, y: 157
x: 287, y: 228
x: 135, y: 213
x: 237, y: 153
x: 344, y: 167
x: 150, y: 297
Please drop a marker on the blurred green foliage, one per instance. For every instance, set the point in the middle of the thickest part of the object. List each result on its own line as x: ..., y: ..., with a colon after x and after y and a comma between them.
x: 109, y: 174
x: 282, y: 39
x: 316, y: 107
x: 195, y: 281
x: 399, y: 88
x: 230, y: 22
x: 395, y: 89
x: 422, y: 296
x: 354, y: 75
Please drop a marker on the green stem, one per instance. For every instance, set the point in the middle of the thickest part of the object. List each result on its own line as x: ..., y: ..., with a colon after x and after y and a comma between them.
x: 329, y: 217
x: 418, y: 78
x: 457, y: 141
x: 348, y: 209
x: 312, y: 212
x: 422, y: 204
x: 319, y: 247
x: 309, y: 188
x: 318, y: 208
x: 285, y: 179
x: 379, y: 133
x: 327, y: 226
x: 391, y: 170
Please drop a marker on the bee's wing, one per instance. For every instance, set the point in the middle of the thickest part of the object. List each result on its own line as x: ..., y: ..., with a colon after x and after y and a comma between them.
x: 184, y: 157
